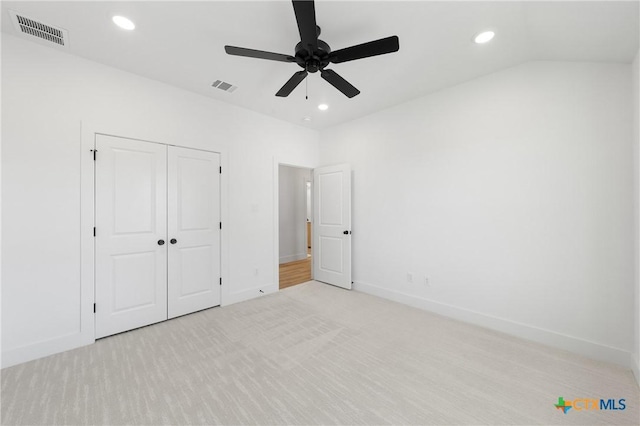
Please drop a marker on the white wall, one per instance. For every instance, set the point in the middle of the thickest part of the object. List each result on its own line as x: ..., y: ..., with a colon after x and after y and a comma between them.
x: 292, y: 213
x: 46, y: 97
x: 636, y: 160
x: 515, y: 197
x: 513, y: 194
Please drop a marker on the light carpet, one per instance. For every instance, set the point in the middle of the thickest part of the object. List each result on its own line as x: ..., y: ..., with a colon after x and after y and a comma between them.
x: 313, y: 354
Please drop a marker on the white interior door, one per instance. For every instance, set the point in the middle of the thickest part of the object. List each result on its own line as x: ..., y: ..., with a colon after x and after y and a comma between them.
x: 131, y: 254
x: 193, y: 230
x: 332, y: 225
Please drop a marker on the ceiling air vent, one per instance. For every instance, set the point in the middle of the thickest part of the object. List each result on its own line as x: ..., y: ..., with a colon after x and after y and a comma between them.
x: 227, y: 87
x: 36, y: 28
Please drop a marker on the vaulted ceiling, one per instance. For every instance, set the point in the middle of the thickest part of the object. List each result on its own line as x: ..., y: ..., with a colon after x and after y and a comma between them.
x: 182, y: 44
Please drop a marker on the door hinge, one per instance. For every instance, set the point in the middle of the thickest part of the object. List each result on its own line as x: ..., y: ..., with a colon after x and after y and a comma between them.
x: 94, y: 308
x: 220, y: 225
x: 94, y: 154
x: 220, y: 169
x: 220, y: 280
x: 94, y: 231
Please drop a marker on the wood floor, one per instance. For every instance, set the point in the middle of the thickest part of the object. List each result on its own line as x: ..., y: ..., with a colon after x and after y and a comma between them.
x: 293, y: 273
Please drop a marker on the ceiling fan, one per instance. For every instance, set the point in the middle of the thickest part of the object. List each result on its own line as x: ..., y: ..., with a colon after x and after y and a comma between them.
x: 313, y: 54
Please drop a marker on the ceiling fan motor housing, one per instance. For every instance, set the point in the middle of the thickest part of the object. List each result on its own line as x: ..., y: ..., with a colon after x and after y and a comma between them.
x: 312, y: 62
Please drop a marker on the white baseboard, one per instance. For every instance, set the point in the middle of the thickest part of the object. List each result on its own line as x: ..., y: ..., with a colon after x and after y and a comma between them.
x: 250, y: 293
x: 635, y: 367
x: 45, y: 348
x: 293, y: 257
x: 524, y: 331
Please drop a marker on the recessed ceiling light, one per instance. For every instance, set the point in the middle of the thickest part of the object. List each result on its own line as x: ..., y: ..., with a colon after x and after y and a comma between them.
x: 484, y: 37
x: 323, y: 107
x: 123, y: 22
x: 307, y: 118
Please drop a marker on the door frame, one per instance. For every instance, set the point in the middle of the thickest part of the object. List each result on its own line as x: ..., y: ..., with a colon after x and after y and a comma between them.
x: 277, y: 162
x: 88, y: 132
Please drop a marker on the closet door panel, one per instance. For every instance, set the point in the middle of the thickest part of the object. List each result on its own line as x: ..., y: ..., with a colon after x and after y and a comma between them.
x: 193, y: 230
x: 131, y: 206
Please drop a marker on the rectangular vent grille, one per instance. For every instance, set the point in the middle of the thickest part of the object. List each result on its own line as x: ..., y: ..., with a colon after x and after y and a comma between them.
x: 35, y: 28
x: 227, y: 87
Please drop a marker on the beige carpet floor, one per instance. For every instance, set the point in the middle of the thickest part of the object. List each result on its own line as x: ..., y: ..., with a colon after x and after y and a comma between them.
x: 313, y: 354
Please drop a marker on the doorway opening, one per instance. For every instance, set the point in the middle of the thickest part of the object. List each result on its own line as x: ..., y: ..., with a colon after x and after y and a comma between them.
x: 295, y: 225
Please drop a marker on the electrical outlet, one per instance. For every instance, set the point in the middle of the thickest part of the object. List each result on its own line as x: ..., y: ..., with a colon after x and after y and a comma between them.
x: 426, y: 281
x: 409, y: 277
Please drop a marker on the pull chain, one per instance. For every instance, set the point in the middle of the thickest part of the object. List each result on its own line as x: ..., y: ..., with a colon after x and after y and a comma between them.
x: 306, y: 84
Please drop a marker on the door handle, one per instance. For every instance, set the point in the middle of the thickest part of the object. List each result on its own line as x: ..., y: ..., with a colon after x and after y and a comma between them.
x: 173, y: 241
x: 160, y: 242
x: 346, y: 232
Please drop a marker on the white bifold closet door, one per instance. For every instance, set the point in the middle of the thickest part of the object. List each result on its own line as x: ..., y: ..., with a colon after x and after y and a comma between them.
x: 157, y: 233
x: 131, y: 220
x: 194, y: 230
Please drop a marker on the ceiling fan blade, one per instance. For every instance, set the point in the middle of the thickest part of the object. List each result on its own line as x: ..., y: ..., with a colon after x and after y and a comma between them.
x: 306, y: 17
x: 252, y: 53
x: 339, y: 83
x: 291, y: 84
x: 365, y: 50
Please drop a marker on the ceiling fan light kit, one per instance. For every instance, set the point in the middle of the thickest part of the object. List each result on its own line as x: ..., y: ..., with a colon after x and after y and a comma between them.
x: 313, y: 54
